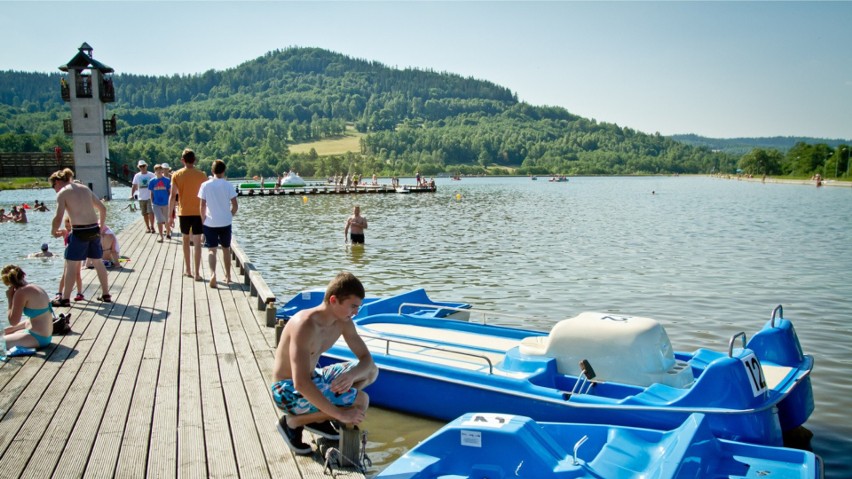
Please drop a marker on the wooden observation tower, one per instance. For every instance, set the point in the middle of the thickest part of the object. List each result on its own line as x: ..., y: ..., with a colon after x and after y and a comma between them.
x: 88, y: 88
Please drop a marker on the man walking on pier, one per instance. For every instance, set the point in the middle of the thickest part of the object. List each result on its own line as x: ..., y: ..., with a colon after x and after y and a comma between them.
x: 185, y: 185
x: 218, y: 207
x: 85, y: 238
x: 141, y: 192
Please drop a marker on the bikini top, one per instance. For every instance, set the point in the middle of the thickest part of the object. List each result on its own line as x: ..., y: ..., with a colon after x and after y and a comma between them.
x: 32, y: 313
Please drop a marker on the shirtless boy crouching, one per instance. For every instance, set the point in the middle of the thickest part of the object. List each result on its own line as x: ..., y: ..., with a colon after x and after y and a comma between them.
x: 312, y: 397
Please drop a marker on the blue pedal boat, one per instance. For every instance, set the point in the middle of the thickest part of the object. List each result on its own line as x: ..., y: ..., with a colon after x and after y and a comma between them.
x: 487, y: 445
x: 435, y: 361
x: 312, y: 298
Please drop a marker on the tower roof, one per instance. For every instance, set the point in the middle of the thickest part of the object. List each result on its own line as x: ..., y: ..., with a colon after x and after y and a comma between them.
x: 83, y: 60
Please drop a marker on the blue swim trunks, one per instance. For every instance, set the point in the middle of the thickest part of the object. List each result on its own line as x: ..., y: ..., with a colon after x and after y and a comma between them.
x: 293, y: 403
x: 84, y: 242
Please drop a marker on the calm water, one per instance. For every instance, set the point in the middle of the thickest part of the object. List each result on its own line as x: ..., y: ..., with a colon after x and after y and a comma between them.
x: 706, y: 257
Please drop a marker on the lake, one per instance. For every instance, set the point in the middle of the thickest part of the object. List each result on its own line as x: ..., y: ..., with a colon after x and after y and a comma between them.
x: 707, y: 257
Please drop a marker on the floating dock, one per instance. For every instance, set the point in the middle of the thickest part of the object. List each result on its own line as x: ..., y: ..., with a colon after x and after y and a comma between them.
x: 169, y: 380
x: 326, y: 189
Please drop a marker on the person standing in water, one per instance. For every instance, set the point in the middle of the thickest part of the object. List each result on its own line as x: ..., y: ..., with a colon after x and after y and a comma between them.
x: 355, y: 226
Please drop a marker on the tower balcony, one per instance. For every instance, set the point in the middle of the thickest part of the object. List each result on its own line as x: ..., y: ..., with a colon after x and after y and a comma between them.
x: 84, y: 86
x: 66, y: 126
x: 107, y: 91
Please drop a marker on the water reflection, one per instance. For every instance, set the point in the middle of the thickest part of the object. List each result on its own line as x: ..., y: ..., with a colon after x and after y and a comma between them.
x: 356, y: 254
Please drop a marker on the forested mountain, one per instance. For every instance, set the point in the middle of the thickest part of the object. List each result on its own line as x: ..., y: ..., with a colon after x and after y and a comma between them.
x: 740, y: 146
x: 412, y: 120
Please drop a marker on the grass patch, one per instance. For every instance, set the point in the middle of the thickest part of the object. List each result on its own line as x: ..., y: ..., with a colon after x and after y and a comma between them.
x: 23, y: 183
x: 349, y: 142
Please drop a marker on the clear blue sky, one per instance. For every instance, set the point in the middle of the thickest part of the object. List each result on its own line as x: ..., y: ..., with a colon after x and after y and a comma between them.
x: 725, y: 69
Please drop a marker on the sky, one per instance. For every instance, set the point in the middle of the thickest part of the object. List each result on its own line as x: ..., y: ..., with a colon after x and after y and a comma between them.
x: 716, y: 69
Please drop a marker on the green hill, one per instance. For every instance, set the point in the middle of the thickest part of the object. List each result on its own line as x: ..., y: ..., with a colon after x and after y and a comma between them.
x: 740, y: 146
x: 252, y: 115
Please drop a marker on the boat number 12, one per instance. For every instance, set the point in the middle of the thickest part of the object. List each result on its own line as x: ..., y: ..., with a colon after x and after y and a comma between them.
x: 755, y: 374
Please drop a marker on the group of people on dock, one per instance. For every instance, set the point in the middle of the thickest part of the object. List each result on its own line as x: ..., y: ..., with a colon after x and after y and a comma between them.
x: 152, y: 192
x: 202, y: 205
x: 315, y: 399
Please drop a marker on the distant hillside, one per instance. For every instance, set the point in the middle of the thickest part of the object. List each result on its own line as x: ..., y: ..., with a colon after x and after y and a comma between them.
x: 740, y: 146
x: 410, y: 119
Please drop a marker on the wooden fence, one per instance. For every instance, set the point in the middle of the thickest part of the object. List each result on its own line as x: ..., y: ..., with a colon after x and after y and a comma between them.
x: 36, y: 165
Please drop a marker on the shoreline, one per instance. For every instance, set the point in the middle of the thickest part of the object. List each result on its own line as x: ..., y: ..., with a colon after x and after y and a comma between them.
x: 833, y: 183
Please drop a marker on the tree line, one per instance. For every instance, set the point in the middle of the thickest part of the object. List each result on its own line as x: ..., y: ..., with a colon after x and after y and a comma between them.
x: 802, y: 160
x: 413, y: 120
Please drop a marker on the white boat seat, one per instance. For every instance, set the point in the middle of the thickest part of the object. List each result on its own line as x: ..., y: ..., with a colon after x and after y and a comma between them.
x: 774, y: 375
x: 627, y: 349
x: 535, y: 345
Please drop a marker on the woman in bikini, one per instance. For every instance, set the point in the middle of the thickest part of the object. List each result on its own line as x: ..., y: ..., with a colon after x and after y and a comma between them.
x: 31, y: 301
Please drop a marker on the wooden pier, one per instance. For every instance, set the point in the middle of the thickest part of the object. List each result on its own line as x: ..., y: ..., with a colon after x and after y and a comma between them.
x: 169, y: 380
x: 326, y: 189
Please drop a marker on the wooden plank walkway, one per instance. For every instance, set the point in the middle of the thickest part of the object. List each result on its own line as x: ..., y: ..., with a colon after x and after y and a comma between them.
x: 171, y: 379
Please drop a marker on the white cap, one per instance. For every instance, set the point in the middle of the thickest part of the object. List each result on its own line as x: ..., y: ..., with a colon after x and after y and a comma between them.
x: 141, y: 163
x: 166, y: 166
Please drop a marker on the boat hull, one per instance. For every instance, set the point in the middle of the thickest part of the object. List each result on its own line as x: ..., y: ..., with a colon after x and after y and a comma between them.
x: 478, y: 445
x: 466, y: 366
x: 400, y: 388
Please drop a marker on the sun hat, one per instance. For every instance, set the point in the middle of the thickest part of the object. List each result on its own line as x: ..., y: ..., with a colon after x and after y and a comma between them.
x: 141, y: 163
x: 166, y: 166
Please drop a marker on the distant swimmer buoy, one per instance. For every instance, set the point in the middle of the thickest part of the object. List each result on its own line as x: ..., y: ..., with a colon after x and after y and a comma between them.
x: 305, y: 199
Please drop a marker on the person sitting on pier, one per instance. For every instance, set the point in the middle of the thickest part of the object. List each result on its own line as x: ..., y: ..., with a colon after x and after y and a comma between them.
x: 28, y: 300
x: 310, y: 396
